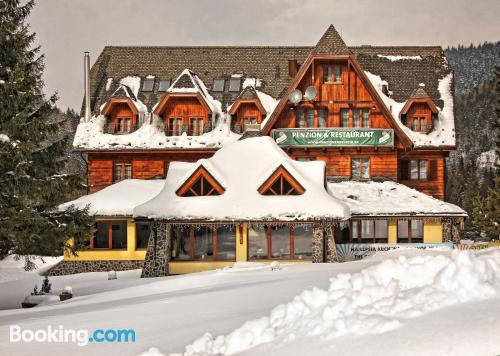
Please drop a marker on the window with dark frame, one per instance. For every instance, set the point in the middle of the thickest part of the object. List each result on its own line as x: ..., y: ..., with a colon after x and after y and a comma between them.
x: 218, y: 85
x: 344, y: 117
x: 200, y: 243
x: 164, y: 85
x: 366, y: 117
x: 196, y: 126
x: 410, y: 231
x: 360, y: 168
x: 121, y: 170
x: 369, y: 231
x: 148, y: 84
x: 355, y: 118
x: 142, y: 232
x: 235, y: 84
x: 110, y: 235
x: 174, y: 126
x: 123, y: 125
x: 322, y: 117
x: 332, y: 73
x: 418, y: 169
x: 279, y: 242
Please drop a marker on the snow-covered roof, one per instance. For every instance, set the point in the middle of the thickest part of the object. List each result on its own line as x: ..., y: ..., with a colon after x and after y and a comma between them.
x: 443, y: 133
x: 188, y: 82
x: 241, y: 168
x: 391, y: 199
x: 118, y: 199
x: 151, y: 135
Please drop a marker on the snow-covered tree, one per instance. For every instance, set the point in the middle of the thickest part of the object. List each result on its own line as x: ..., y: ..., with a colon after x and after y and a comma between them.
x: 32, y: 152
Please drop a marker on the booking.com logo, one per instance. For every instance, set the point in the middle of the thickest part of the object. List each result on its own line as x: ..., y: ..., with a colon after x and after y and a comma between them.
x: 82, y: 337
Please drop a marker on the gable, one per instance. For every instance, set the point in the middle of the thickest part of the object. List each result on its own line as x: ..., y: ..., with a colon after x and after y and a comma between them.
x: 354, y: 92
x: 281, y: 182
x: 200, y: 183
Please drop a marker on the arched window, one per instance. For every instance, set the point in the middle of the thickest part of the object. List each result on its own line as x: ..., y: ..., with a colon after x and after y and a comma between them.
x: 201, y: 183
x: 281, y: 182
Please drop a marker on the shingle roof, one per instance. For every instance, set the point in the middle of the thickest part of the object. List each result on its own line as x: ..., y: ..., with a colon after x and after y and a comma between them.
x: 269, y: 64
x: 419, y: 93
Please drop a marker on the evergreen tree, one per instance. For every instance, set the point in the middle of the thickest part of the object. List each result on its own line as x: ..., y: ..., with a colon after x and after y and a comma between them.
x: 32, y: 154
x: 486, y: 212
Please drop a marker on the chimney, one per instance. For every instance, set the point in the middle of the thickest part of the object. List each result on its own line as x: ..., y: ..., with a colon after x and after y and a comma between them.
x: 385, y: 90
x: 86, y: 79
x: 292, y: 68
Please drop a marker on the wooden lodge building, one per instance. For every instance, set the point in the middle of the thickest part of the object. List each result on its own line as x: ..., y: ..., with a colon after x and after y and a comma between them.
x: 198, y: 157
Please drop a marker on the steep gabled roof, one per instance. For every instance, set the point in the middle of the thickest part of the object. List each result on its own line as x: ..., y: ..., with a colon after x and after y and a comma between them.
x: 419, y: 93
x: 331, y: 43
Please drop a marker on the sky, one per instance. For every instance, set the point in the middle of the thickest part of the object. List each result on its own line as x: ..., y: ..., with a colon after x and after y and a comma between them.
x: 65, y: 29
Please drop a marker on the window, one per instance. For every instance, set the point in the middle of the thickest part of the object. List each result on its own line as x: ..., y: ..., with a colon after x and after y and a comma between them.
x: 310, y: 117
x: 410, y: 231
x: 218, y: 85
x: 422, y: 124
x: 142, y: 232
x: 332, y: 74
x: 418, y: 124
x: 369, y: 231
x: 360, y: 168
x: 322, y: 115
x: 110, y: 235
x: 203, y: 243
x: 121, y: 171
x: 279, y: 242
x: 300, y: 118
x: 281, y: 183
x: 248, y: 121
x: 355, y: 118
x: 196, y: 126
x: 257, y: 243
x: 366, y: 117
x: 201, y: 183
x: 337, y: 71
x: 123, y: 125
x: 226, y: 244
x: 174, y: 126
x: 344, y: 117
x: 235, y: 84
x: 302, y: 238
x: 148, y: 84
x: 418, y: 169
x: 164, y: 85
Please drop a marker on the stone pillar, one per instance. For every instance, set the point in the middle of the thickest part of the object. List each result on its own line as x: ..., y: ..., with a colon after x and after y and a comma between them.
x: 317, y: 244
x: 331, y: 249
x: 451, y: 231
x: 158, y: 252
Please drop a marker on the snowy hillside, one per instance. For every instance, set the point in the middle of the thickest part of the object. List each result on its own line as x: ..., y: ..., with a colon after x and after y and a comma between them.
x: 408, y: 302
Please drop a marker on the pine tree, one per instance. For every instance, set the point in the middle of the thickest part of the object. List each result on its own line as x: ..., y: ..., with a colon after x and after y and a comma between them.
x: 46, y: 286
x: 32, y: 154
x: 486, y: 212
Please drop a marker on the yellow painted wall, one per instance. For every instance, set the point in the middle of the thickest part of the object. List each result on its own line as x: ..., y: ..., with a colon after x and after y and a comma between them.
x: 129, y: 254
x: 392, y: 233
x: 241, y: 248
x: 433, y: 232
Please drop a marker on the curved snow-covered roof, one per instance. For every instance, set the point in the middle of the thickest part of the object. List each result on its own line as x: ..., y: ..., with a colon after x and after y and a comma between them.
x: 242, y: 167
x: 118, y: 199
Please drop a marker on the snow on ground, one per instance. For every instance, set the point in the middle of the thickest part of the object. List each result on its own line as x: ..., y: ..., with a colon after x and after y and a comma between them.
x: 426, y: 302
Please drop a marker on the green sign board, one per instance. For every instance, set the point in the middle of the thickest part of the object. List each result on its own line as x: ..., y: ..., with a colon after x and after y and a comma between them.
x: 334, y: 137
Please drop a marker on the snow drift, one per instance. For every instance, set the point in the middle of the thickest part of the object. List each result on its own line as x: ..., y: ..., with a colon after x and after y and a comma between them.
x: 375, y: 300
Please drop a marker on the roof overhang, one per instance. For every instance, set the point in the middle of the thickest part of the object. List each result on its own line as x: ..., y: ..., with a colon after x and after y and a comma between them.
x: 412, y: 101
x: 112, y: 102
x: 239, y: 102
x: 160, y: 108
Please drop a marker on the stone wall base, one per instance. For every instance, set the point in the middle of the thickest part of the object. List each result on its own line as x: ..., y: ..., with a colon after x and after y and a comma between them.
x: 73, y: 267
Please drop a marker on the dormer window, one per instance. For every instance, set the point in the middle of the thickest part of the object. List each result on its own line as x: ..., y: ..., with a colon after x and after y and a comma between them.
x: 281, y: 182
x: 218, y: 85
x: 201, y: 183
x: 148, y: 84
x: 332, y: 73
x: 234, y: 84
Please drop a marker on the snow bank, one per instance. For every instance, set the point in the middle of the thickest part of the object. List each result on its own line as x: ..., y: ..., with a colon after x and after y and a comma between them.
x: 390, y: 198
x: 443, y: 133
x: 12, y: 267
x: 376, y: 300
